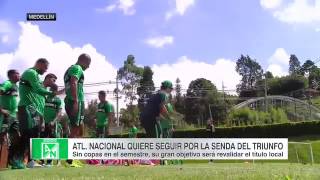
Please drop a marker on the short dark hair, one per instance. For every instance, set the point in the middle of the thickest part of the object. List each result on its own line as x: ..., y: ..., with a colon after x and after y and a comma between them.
x: 54, y: 87
x: 11, y: 72
x: 50, y: 75
x: 42, y: 61
x: 83, y: 57
x: 102, y: 93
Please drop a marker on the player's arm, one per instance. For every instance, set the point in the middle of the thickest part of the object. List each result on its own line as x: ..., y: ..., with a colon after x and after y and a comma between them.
x: 111, y: 119
x: 4, y: 87
x: 58, y: 116
x: 95, y: 121
x: 162, y: 106
x: 110, y: 114
x: 74, y: 92
x: 36, y: 85
x: 74, y: 87
x: 61, y: 91
x: 75, y: 74
x: 65, y: 126
x: 164, y: 113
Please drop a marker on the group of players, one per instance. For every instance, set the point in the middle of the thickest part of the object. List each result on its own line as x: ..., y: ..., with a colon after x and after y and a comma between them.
x: 38, y: 111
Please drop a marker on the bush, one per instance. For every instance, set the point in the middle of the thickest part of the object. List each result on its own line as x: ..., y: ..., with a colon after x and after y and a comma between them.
x: 246, y: 116
x: 283, y: 130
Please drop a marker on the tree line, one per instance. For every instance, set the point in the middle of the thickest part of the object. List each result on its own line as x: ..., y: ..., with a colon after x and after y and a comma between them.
x: 202, y: 100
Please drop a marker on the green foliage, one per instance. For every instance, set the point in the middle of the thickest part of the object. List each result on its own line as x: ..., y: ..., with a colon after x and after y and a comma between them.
x: 269, y: 75
x: 279, y: 116
x: 251, y: 72
x: 129, y: 115
x: 246, y: 116
x: 286, y: 85
x: 130, y: 76
x: 242, y: 116
x: 200, y: 94
x: 179, y: 100
x: 146, y: 83
x: 146, y: 87
x: 294, y: 65
x: 314, y: 78
x: 307, y: 67
x: 90, y: 113
x: 283, y: 130
x: 263, y: 118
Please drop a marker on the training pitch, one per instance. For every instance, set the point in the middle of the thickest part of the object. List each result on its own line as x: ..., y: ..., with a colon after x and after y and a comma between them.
x: 219, y: 171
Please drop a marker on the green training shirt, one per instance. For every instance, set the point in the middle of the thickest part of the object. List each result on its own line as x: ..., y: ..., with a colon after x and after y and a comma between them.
x: 8, y: 99
x: 31, y: 90
x: 104, y: 108
x: 53, y: 106
x: 76, y: 71
x: 133, y: 132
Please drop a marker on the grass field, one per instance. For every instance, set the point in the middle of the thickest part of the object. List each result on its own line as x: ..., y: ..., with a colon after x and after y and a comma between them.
x: 219, y: 171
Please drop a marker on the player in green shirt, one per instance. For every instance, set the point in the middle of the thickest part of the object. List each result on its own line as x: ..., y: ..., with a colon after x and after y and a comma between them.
x: 133, y: 132
x: 167, y: 123
x: 9, y: 93
x: 31, y: 106
x: 8, y: 122
x: 104, y: 115
x: 50, y: 81
x: 53, y: 107
x: 52, y: 112
x: 74, y: 100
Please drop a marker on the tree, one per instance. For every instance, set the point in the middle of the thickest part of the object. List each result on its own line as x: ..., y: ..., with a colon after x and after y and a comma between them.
x: 146, y: 87
x: 294, y: 65
x: 129, y: 116
x: 90, y: 113
x: 269, y: 75
x: 200, y: 94
x: 146, y: 83
x: 262, y: 85
x: 314, y: 78
x: 179, y: 100
x: 307, y: 68
x: 130, y: 76
x: 251, y: 72
x: 287, y: 85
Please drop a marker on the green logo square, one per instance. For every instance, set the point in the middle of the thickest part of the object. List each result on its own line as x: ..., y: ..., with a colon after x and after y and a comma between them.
x: 50, y: 150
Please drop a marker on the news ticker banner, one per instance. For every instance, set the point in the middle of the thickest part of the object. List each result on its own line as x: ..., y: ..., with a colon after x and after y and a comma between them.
x: 152, y: 148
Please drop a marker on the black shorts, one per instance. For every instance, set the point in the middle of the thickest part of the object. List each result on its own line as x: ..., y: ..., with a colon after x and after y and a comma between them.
x: 28, y: 117
x: 153, y: 130
x: 48, y: 132
x: 101, y: 131
x: 8, y: 124
x: 77, y: 118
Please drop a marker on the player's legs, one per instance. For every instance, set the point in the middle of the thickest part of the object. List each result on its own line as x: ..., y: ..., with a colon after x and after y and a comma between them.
x: 151, y: 127
x: 75, y: 121
x: 14, y: 141
x: 100, y: 132
x: 3, y: 145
